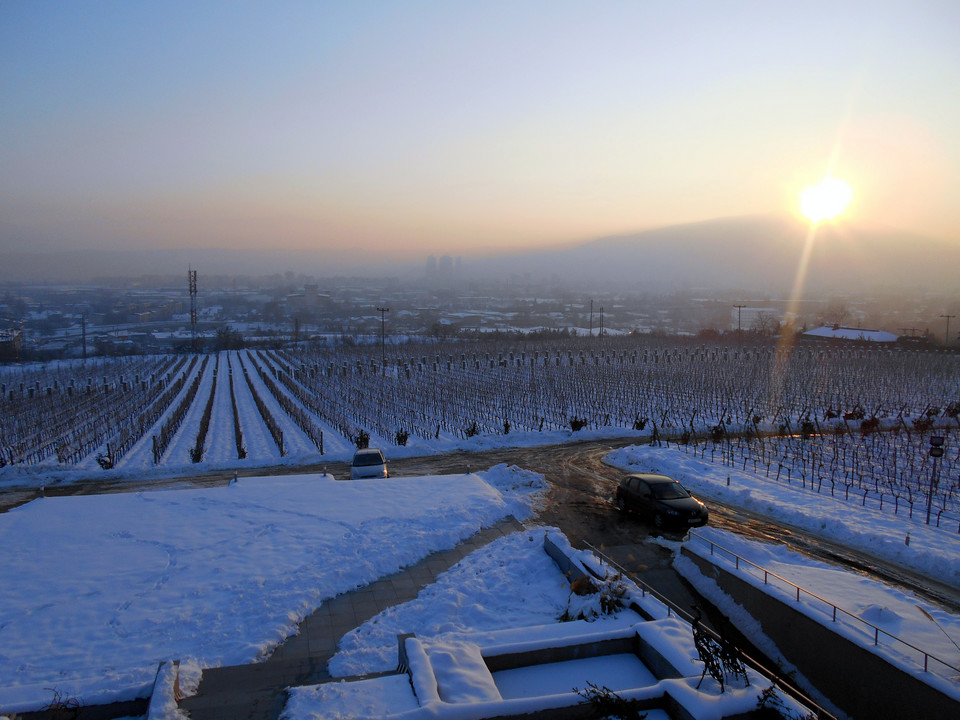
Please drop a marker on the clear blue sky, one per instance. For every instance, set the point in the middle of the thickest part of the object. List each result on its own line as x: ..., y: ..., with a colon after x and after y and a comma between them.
x: 425, y: 126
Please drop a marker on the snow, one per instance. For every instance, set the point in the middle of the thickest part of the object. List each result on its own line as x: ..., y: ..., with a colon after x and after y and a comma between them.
x: 335, y: 445
x: 296, y: 443
x: 142, y: 451
x: 178, y: 451
x: 449, y: 677
x: 522, y: 489
x: 220, y: 447
x: 750, y: 627
x: 617, y: 672
x: 372, y: 699
x: 848, y: 333
x: 900, y: 615
x: 163, y: 701
x: 462, y: 675
x: 257, y: 439
x: 477, y: 595
x: 262, y: 451
x: 218, y: 576
x: 221, y: 576
x: 931, y: 551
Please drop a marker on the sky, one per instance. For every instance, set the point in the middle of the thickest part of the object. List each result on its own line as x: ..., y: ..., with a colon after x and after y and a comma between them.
x: 454, y: 127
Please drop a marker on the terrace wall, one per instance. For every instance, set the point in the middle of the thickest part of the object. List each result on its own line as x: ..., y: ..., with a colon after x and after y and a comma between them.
x: 857, y: 681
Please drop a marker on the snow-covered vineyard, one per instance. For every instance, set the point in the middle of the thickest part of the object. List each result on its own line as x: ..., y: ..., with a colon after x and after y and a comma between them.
x: 262, y: 407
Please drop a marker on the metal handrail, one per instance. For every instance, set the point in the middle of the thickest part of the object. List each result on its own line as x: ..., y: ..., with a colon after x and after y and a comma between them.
x: 876, y: 631
x: 756, y: 665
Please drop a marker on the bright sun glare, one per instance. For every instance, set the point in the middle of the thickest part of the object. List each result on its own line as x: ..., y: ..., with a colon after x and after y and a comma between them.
x: 826, y: 200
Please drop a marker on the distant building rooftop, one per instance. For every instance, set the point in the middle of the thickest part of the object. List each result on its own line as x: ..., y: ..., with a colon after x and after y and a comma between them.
x: 838, y: 332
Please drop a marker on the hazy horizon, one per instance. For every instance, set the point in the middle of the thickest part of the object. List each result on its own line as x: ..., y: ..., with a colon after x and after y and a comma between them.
x: 397, y: 130
x: 755, y: 253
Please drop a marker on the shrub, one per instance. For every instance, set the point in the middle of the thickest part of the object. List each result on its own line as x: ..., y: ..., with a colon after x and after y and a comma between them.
x: 869, y: 425
x: 922, y: 424
x: 857, y: 413
x: 605, y: 703
x: 577, y: 424
x: 717, y: 433
x: 590, y: 599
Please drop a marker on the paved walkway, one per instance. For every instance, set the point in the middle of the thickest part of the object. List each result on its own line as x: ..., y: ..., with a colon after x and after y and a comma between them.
x: 255, y: 692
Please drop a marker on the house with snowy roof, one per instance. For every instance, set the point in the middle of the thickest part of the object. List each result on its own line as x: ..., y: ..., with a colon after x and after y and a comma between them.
x: 838, y: 332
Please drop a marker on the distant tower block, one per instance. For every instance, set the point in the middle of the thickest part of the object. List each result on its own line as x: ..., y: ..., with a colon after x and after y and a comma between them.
x: 192, y: 284
x: 445, y: 266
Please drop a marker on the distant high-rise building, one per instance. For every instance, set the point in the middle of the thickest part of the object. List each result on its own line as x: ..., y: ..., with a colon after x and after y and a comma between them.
x: 445, y: 266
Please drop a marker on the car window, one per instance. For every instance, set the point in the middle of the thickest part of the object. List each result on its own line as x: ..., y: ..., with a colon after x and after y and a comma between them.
x: 670, y: 491
x: 365, y: 459
x: 643, y: 489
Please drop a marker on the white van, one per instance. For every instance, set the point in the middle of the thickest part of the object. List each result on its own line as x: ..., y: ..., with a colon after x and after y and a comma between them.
x: 368, y: 463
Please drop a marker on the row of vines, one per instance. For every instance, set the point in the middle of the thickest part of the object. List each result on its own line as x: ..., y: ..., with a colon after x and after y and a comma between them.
x: 849, y: 418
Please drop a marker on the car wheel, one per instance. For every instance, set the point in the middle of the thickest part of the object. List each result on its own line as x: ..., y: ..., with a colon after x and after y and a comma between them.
x: 621, y: 504
x: 658, y: 520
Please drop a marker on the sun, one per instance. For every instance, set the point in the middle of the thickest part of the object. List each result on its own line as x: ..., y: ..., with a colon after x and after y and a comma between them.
x: 825, y: 201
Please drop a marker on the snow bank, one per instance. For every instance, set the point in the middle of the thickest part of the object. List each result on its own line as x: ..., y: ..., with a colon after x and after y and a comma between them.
x: 524, y: 489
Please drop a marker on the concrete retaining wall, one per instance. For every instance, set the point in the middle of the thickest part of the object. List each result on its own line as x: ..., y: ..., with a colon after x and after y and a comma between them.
x: 860, y: 683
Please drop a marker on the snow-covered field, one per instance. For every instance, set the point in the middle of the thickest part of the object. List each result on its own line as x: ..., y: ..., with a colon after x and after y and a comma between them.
x: 95, y: 591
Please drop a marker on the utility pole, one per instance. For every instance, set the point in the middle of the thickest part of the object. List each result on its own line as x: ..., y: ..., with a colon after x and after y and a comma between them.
x: 601, y: 321
x: 383, y: 364
x: 936, y: 451
x: 946, y: 335
x: 192, y: 284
